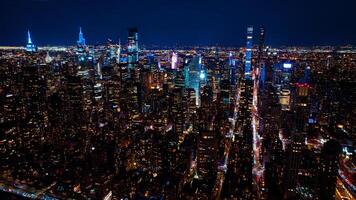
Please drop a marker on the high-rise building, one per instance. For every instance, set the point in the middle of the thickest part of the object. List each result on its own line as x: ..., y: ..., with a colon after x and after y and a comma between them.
x: 207, y: 149
x: 81, y: 39
x: 132, y: 47
x: 81, y: 46
x: 193, y: 74
x: 329, y: 165
x: 249, y: 46
x: 302, y: 106
x: 177, y: 112
x: 30, y: 47
x: 118, y: 53
x: 174, y: 62
x: 294, y: 153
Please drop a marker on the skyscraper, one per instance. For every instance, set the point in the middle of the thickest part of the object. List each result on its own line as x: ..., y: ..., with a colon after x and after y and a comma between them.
x: 329, y: 166
x: 30, y: 47
x: 118, y: 53
x: 193, y: 73
x: 81, y: 39
x: 174, y: 60
x: 249, y: 46
x: 132, y: 47
x: 81, y: 46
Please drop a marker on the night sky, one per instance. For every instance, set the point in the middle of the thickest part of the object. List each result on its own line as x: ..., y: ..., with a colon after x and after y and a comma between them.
x: 183, y: 22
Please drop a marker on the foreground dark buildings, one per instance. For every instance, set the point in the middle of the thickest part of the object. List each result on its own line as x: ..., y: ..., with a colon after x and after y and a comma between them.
x: 118, y: 122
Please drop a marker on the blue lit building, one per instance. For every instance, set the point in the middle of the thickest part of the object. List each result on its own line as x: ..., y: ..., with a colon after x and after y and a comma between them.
x: 132, y: 47
x: 232, y: 69
x: 249, y: 45
x: 194, y: 75
x: 30, y: 47
x: 81, y: 47
x: 81, y: 39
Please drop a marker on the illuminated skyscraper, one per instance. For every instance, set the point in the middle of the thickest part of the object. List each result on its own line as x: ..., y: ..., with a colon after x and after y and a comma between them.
x: 81, y: 39
x: 132, y: 48
x: 193, y: 74
x: 174, y: 60
x: 260, y: 57
x: 249, y: 46
x: 30, y: 47
x: 81, y: 46
x: 261, y: 45
x: 118, y: 53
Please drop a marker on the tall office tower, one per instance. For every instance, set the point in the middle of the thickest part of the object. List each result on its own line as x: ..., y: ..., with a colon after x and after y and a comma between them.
x: 132, y: 48
x: 113, y: 90
x: 206, y: 97
x: 30, y: 47
x: 118, y: 53
x: 261, y: 46
x: 302, y: 106
x: 190, y: 107
x: 294, y: 154
x: 179, y: 79
x: 174, y: 61
x: 192, y: 75
x: 224, y: 96
x: 155, y: 156
x: 233, y: 75
x: 98, y: 70
x: 130, y: 98
x: 260, y: 65
x: 177, y: 112
x: 81, y: 46
x: 329, y: 165
x: 207, y: 149
x: 248, y: 57
x: 231, y: 59
x: 260, y: 59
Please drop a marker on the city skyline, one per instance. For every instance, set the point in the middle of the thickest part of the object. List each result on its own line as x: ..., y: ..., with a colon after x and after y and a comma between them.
x: 301, y: 23
x: 177, y: 100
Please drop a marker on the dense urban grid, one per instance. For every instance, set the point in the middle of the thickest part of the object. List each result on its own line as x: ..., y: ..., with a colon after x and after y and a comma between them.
x: 116, y: 121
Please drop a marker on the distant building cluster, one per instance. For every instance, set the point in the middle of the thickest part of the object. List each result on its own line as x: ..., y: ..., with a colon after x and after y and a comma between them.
x: 116, y: 121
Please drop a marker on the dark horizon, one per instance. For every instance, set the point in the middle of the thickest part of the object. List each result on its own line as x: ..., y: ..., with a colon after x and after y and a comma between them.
x: 184, y: 23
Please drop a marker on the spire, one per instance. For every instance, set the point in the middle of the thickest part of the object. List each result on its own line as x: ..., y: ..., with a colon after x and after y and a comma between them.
x: 29, y: 40
x: 30, y: 47
x: 81, y: 39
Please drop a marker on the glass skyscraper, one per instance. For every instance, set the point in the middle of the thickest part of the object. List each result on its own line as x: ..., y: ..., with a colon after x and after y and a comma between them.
x: 249, y: 46
x: 132, y: 48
